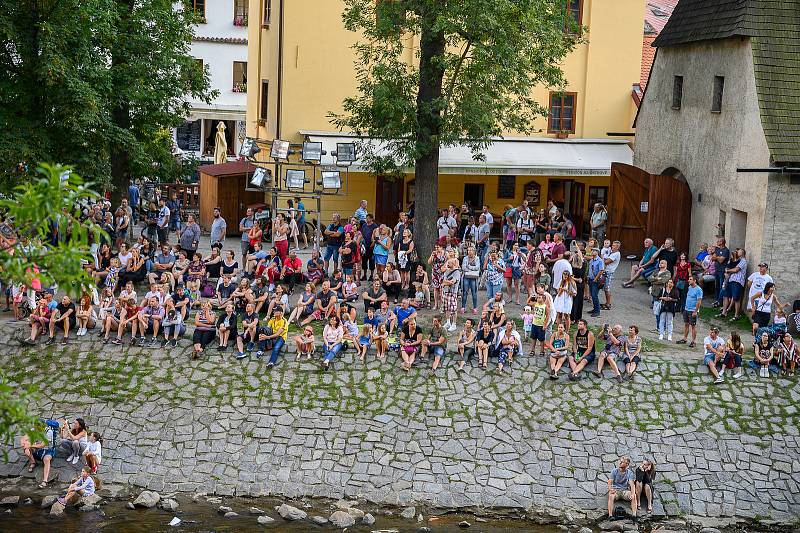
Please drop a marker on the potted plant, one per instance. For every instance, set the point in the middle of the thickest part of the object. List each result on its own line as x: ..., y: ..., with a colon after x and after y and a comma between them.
x: 562, y: 134
x: 240, y: 21
x: 240, y: 87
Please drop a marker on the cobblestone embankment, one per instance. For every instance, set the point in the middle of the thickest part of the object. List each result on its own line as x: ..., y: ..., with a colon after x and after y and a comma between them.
x: 372, y: 431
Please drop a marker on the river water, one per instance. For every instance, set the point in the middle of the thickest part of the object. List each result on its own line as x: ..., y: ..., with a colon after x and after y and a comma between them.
x: 202, y: 516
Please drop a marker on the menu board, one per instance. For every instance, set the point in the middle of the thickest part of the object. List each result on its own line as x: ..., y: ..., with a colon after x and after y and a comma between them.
x: 187, y: 136
x: 506, y: 186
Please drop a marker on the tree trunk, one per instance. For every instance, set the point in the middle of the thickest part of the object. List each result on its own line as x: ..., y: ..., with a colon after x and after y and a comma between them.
x: 121, y: 113
x: 429, y: 114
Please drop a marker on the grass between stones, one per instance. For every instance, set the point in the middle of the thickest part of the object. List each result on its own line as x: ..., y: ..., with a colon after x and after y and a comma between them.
x: 666, y: 394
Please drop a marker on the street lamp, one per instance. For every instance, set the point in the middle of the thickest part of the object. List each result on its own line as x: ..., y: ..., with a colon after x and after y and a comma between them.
x: 279, y: 149
x: 295, y: 179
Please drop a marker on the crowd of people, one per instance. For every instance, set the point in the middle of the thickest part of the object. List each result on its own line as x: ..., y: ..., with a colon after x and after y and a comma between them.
x: 364, y: 286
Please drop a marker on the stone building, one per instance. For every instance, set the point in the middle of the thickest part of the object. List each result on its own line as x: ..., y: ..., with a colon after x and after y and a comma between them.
x: 721, y: 111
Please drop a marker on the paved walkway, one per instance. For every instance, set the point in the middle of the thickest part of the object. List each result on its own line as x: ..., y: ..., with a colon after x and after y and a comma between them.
x: 370, y: 430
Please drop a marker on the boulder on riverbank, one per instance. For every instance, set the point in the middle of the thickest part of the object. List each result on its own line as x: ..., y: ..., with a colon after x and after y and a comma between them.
x: 49, y: 500
x: 342, y: 519
x: 57, y: 510
x: 288, y: 512
x: 147, y: 499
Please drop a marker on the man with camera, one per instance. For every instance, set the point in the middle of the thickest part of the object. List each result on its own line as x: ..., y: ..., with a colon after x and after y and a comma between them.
x: 598, y: 222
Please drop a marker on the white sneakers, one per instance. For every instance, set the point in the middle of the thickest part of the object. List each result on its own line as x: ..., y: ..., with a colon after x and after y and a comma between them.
x: 70, y: 458
x: 719, y: 379
x: 669, y: 338
x: 737, y: 375
x: 722, y: 372
x: 452, y: 327
x: 75, y: 460
x: 661, y: 336
x: 764, y: 372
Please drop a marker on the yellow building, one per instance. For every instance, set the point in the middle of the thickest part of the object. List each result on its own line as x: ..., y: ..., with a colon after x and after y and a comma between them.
x: 300, y: 69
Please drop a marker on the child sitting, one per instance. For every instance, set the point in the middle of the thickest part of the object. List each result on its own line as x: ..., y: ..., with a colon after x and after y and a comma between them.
x: 83, y: 486
x: 381, y: 339
x: 364, y: 341
x: 93, y: 454
x: 305, y: 343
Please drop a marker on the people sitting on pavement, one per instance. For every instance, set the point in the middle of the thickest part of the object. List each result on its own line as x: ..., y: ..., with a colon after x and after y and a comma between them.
x: 583, y: 353
x: 74, y: 438
x: 714, y: 346
x: 763, y: 355
x: 645, y: 474
x: 304, y: 343
x: 204, y: 329
x: 612, y: 336
x: 410, y: 341
x: 632, y: 349
x: 62, y: 318
x: 173, y: 325
x: 435, y: 344
x: 509, y: 343
x: 787, y: 354
x: 324, y: 305
x: 332, y: 336
x: 227, y: 327
x: 559, y: 347
x: 150, y: 318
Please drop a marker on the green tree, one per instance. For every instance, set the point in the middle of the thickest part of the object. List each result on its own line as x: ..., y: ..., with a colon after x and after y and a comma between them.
x: 51, y: 200
x: 94, y: 84
x: 475, y: 71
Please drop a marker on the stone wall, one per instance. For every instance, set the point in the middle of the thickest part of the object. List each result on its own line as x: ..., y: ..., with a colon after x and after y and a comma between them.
x: 782, y: 236
x: 372, y: 431
x: 708, y: 147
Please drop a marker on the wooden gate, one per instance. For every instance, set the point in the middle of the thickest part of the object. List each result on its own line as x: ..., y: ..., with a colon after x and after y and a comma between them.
x: 630, y: 188
x: 643, y: 205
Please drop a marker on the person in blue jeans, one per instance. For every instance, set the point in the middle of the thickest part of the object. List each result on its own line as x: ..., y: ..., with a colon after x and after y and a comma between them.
x: 332, y: 337
x: 495, y: 268
x: 335, y: 235
x: 721, y: 256
x: 471, y: 268
x: 277, y: 331
x: 595, y: 267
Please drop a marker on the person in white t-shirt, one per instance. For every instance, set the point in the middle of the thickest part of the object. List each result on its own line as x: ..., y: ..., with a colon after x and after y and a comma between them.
x: 446, y: 225
x: 559, y: 267
x: 611, y: 259
x: 757, y: 281
x: 488, y: 215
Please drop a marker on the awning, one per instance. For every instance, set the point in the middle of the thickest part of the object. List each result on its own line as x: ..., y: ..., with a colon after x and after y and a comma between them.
x: 221, y: 113
x: 517, y: 156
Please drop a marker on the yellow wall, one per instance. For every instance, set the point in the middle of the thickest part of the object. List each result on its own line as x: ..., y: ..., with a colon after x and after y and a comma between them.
x: 319, y: 74
x: 362, y: 186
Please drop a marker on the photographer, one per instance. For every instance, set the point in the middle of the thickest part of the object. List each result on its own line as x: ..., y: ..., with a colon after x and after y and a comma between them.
x: 598, y: 222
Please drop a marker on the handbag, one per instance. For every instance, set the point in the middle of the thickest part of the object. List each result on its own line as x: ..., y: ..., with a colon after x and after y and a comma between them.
x: 657, y: 307
x: 412, y: 256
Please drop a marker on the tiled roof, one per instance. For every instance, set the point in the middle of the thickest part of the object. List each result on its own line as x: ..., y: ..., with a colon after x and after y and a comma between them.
x: 776, y: 60
x: 774, y: 29
x: 227, y: 169
x: 224, y: 40
x: 656, y: 14
x: 648, y: 55
x: 702, y: 20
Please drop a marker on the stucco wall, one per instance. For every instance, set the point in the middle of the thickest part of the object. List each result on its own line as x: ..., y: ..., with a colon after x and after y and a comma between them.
x: 219, y: 57
x: 708, y: 147
x: 781, y: 238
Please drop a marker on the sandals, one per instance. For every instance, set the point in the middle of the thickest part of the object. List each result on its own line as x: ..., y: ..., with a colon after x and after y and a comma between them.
x: 43, y: 485
x: 31, y: 467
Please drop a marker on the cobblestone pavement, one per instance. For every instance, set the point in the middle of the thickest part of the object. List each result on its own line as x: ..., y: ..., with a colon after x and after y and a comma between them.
x: 372, y: 431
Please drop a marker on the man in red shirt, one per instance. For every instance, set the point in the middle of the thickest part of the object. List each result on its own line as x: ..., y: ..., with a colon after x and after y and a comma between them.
x: 291, y: 273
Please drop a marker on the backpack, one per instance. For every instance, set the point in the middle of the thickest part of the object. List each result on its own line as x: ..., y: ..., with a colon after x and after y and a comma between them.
x: 207, y: 289
x: 569, y: 229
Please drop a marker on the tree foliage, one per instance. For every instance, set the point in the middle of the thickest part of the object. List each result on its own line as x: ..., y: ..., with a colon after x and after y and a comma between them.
x: 472, y: 79
x: 91, y: 81
x: 52, y: 200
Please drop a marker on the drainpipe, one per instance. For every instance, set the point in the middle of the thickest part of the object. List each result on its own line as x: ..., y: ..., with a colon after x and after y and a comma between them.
x: 280, y: 73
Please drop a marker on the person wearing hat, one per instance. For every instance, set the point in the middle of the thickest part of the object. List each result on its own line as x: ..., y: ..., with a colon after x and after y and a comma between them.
x: 757, y: 281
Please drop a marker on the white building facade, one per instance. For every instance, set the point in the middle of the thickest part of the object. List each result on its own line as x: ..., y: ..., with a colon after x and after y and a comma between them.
x: 220, y: 43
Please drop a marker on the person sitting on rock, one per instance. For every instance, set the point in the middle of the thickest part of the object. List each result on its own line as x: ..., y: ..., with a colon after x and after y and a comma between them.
x: 83, y: 486
x: 645, y: 474
x: 93, y: 454
x: 621, y: 486
x: 40, y: 451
